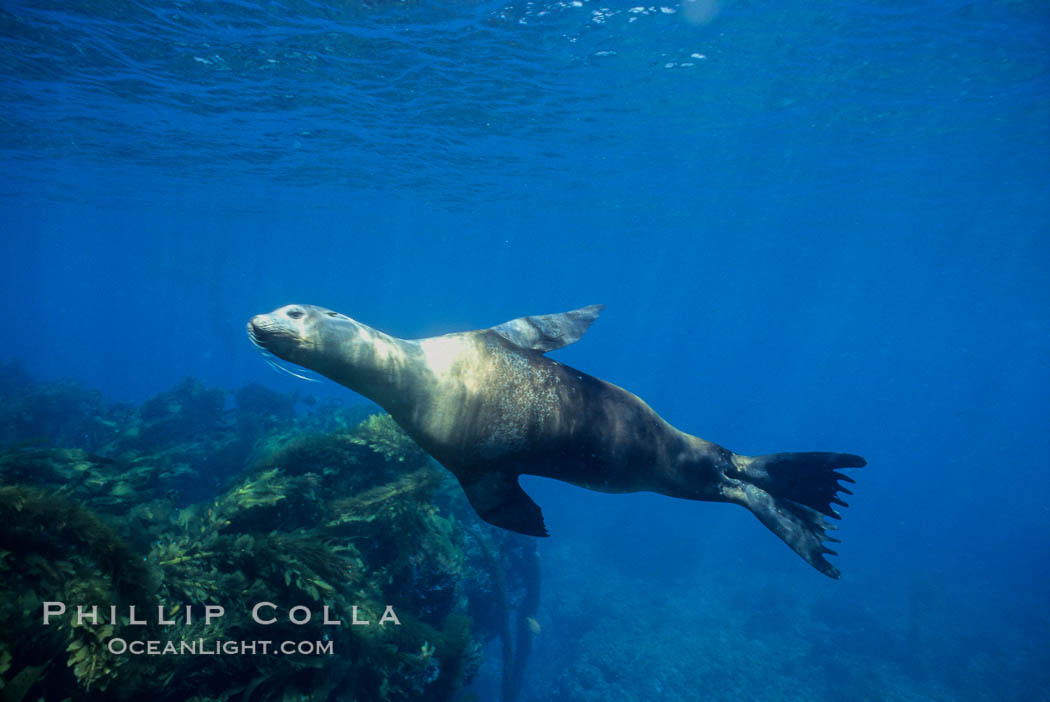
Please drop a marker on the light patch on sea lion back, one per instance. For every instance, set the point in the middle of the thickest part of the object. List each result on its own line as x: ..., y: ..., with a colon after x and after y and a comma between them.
x: 440, y: 353
x: 455, y: 374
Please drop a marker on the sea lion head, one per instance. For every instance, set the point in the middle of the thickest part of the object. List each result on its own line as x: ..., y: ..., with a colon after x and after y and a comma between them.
x: 332, y: 344
x: 302, y: 334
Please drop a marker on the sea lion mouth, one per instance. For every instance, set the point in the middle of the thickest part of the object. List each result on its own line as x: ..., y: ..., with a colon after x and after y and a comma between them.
x: 256, y: 334
x: 262, y: 332
x: 265, y: 336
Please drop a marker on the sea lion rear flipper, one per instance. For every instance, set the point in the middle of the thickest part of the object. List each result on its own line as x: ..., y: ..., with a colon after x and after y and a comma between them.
x: 792, y: 493
x: 499, y: 500
x: 547, y: 332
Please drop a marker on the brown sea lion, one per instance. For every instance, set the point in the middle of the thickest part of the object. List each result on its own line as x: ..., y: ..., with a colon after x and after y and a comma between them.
x: 490, y: 406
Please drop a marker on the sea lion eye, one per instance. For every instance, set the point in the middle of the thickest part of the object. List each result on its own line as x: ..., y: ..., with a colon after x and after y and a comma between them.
x: 333, y: 314
x: 295, y: 314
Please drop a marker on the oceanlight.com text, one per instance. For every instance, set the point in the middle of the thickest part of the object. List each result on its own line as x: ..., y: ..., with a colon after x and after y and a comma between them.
x: 201, y: 647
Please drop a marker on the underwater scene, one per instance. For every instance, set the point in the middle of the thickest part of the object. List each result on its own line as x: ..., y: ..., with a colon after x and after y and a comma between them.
x: 524, y: 351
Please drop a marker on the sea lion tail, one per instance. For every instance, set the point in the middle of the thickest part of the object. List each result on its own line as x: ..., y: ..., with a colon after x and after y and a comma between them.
x: 792, y: 493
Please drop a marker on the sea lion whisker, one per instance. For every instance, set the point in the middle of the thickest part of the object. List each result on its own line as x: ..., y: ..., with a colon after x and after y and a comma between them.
x: 301, y: 376
x: 258, y: 346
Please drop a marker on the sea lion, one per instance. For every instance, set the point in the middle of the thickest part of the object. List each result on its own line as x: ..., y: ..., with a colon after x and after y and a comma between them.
x: 490, y: 406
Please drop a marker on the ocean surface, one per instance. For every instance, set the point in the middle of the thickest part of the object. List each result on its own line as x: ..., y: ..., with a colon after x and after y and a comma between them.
x: 815, y: 226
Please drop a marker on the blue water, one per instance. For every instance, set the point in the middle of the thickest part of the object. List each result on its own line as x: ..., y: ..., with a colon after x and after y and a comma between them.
x: 815, y: 226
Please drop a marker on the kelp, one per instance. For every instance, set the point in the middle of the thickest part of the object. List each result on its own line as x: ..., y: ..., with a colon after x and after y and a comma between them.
x: 56, y: 550
x: 187, y: 503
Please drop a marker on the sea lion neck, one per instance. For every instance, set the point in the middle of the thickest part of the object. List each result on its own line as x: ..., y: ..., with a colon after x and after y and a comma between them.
x: 366, y: 360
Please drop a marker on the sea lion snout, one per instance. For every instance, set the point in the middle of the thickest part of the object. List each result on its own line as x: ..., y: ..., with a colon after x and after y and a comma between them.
x: 262, y: 327
x: 280, y: 332
x: 257, y: 324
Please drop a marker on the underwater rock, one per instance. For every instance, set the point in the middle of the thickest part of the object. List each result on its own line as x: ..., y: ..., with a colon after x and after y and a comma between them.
x: 63, y: 413
x: 186, y: 411
x: 258, y: 401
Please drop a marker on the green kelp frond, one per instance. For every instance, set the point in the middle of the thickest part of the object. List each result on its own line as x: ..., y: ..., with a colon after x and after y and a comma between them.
x: 324, y: 571
x: 406, y: 497
x: 382, y: 434
x: 91, y: 661
x: 265, y: 490
x: 189, y: 570
x: 372, y: 454
x: 327, y: 455
x: 269, y: 500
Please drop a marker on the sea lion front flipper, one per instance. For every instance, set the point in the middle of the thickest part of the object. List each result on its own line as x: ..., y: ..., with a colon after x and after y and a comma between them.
x: 499, y: 500
x: 547, y: 332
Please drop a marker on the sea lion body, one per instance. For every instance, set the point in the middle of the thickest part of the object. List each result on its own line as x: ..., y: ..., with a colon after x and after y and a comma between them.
x: 529, y: 414
x: 490, y: 406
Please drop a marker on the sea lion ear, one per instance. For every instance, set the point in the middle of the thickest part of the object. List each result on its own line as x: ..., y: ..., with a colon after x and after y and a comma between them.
x: 547, y: 332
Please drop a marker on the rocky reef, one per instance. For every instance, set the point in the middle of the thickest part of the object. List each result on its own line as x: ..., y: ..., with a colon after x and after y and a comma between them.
x: 198, y: 498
